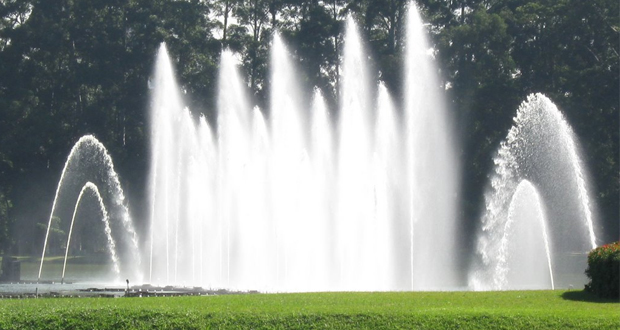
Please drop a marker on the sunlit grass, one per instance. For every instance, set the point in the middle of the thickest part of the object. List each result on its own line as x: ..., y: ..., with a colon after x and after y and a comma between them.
x: 439, y: 310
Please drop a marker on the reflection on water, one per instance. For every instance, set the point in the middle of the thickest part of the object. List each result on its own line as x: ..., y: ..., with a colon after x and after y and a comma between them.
x: 76, y: 272
x: 32, y: 288
x: 81, y: 274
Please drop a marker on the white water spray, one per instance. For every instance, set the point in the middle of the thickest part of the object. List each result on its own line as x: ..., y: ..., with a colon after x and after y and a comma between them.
x: 89, y: 186
x: 302, y: 200
x: 541, y: 148
x: 87, y: 155
x: 521, y: 264
x: 432, y: 167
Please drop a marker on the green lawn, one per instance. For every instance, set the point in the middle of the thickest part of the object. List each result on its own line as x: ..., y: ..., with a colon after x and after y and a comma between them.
x: 407, y: 310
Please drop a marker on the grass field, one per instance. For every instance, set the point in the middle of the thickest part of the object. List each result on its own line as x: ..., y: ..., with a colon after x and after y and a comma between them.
x: 406, y: 310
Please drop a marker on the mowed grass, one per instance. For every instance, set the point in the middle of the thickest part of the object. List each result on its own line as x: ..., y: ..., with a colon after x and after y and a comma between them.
x: 396, y: 310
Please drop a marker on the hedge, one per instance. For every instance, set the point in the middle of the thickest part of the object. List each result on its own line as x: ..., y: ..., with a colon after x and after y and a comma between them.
x: 604, y: 271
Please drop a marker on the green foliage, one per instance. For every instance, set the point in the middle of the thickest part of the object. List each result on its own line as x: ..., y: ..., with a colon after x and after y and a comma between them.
x: 604, y: 271
x: 68, y: 68
x: 383, y: 23
x: 5, y: 223
x: 494, y: 53
x: 420, y: 310
x: 57, y: 236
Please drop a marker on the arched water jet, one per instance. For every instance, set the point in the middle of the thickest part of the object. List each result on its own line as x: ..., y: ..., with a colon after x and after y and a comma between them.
x: 541, y: 148
x: 88, y: 151
x: 521, y: 265
x: 106, y: 222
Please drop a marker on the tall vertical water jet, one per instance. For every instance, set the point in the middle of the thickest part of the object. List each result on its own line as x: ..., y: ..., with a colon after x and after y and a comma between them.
x: 205, y: 192
x: 234, y: 127
x: 167, y: 109
x: 205, y: 216
x: 191, y: 180
x: 541, y: 148
x: 300, y: 201
x: 87, y: 161
x: 355, y: 193
x: 288, y: 149
x: 432, y: 168
x: 259, y: 239
x: 389, y: 189
x: 89, y: 186
x: 323, y: 195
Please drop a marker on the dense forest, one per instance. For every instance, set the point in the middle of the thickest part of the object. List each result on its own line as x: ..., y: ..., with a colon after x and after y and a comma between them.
x: 75, y: 67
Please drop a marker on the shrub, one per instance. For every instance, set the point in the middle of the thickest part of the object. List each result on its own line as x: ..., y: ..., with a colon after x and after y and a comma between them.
x: 604, y: 271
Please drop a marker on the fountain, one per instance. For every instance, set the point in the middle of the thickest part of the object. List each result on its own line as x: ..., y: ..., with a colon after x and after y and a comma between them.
x: 297, y: 198
x: 520, y: 264
x: 89, y: 161
x: 432, y: 169
x: 290, y: 199
x: 525, y: 238
x: 541, y: 149
x: 89, y: 186
x: 354, y: 221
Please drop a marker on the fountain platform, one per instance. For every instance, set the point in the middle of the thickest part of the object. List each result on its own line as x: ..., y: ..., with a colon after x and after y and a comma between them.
x: 50, y: 289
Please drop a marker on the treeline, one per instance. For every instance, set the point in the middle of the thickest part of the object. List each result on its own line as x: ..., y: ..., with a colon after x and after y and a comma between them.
x: 72, y: 67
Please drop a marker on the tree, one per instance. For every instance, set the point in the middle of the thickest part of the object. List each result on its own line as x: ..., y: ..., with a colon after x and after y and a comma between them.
x: 78, y: 67
x: 6, y: 223
x: 57, y: 238
x: 224, y: 10
x: 254, y: 34
x: 315, y: 44
x: 480, y: 77
x: 68, y: 68
x: 570, y: 51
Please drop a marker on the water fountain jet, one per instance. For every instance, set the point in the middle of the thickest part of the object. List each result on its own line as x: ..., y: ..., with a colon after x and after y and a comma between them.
x: 89, y: 156
x: 432, y: 168
x: 541, y: 148
x: 89, y: 186
x: 302, y: 201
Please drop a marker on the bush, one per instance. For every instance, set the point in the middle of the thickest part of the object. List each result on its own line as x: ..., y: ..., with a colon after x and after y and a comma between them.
x: 604, y: 271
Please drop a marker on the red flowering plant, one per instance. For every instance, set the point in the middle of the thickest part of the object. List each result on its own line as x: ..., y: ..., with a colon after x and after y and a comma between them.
x: 604, y: 271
